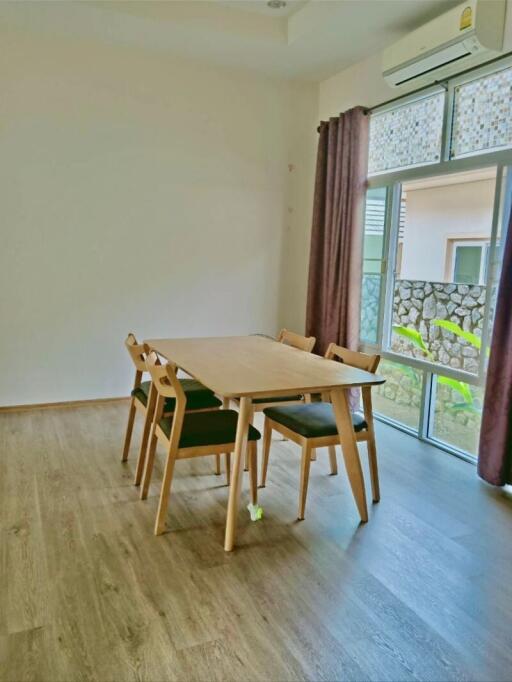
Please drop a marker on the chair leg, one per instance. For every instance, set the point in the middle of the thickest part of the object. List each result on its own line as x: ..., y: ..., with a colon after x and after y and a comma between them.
x: 267, y: 439
x: 225, y: 406
x: 253, y: 470
x: 374, y: 469
x: 165, y: 492
x: 143, y: 447
x: 129, y: 429
x: 148, y: 421
x: 307, y: 400
x: 304, y: 479
x: 332, y: 460
x: 228, y: 468
x: 150, y: 460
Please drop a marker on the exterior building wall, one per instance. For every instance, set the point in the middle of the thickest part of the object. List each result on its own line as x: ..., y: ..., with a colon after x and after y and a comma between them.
x: 436, y: 214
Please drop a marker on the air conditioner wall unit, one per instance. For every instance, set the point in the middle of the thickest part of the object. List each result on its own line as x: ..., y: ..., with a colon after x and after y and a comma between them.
x: 457, y: 40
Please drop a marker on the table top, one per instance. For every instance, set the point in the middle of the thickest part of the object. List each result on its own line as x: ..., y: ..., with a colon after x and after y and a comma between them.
x: 255, y: 366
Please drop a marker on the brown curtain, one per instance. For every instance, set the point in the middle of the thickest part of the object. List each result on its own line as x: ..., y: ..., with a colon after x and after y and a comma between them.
x: 334, y: 286
x: 495, y: 455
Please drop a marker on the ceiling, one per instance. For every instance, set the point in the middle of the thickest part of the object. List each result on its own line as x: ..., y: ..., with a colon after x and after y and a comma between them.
x: 307, y: 40
x: 261, y: 7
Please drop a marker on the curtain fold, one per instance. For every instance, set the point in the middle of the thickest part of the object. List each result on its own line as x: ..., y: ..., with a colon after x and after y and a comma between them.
x: 335, y: 265
x: 495, y: 452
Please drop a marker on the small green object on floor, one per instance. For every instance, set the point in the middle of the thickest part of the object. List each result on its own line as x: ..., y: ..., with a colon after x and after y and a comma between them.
x: 255, y: 511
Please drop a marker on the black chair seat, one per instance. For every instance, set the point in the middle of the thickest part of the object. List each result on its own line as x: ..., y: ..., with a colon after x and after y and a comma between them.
x: 277, y: 399
x: 208, y: 428
x: 198, y: 396
x: 313, y: 420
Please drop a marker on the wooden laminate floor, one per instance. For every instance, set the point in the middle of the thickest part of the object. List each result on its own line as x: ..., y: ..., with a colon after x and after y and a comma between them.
x: 422, y: 592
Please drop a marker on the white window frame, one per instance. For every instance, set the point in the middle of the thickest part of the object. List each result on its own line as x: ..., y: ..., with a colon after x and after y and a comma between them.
x: 393, y: 181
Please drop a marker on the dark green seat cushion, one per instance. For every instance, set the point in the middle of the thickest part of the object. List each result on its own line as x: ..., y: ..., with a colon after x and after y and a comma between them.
x: 277, y: 399
x: 198, y: 396
x: 313, y: 420
x: 208, y: 428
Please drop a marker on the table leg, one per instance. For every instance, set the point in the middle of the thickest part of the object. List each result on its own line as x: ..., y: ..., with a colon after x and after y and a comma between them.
x: 339, y: 400
x: 242, y: 429
x: 247, y: 454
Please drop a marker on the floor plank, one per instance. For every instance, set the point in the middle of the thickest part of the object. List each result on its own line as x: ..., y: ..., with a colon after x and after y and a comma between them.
x: 421, y: 592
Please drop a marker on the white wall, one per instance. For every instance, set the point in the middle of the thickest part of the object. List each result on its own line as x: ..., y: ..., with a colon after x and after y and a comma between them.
x: 144, y: 193
x: 359, y: 85
x: 138, y: 193
x: 303, y: 139
x: 437, y: 214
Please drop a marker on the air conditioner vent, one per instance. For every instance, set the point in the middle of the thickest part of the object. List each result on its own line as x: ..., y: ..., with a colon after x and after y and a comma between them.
x: 462, y: 37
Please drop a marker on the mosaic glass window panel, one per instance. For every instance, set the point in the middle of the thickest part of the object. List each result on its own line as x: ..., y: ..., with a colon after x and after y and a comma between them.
x: 482, y: 118
x: 409, y: 135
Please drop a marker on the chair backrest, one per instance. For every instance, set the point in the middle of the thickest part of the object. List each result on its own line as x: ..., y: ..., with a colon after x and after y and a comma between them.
x: 353, y: 358
x: 306, y: 343
x: 164, y: 378
x: 362, y: 361
x: 165, y: 384
x: 137, y: 352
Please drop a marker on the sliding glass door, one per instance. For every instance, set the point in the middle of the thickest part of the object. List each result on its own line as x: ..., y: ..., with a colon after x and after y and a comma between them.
x: 439, y: 194
x: 430, y: 311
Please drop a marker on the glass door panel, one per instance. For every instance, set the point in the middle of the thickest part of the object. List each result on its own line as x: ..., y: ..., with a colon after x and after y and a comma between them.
x: 439, y: 288
x: 373, y: 263
x: 399, y: 398
x: 457, y: 413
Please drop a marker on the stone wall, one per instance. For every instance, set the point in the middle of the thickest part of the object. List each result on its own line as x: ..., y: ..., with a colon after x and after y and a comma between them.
x: 416, y: 304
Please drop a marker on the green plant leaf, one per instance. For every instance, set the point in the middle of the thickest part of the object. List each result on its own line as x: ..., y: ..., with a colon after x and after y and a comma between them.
x: 464, y: 407
x: 454, y: 328
x: 460, y: 386
x: 408, y: 371
x: 414, y: 337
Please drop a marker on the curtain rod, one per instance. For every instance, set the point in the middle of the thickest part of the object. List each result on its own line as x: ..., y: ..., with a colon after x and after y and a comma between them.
x: 443, y: 83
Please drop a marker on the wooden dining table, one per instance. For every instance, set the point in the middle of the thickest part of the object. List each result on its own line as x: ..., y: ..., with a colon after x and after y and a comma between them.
x: 249, y: 367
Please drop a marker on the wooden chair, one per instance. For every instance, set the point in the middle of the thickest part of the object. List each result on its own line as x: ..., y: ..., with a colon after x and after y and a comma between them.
x: 187, y: 434
x: 313, y: 425
x: 143, y: 400
x: 305, y: 343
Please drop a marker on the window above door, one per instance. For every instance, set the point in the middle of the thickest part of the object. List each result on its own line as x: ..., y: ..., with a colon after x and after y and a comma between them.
x: 465, y: 116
